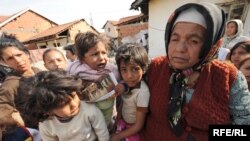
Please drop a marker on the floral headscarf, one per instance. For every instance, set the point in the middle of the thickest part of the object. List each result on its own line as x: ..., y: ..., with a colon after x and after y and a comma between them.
x: 215, y: 21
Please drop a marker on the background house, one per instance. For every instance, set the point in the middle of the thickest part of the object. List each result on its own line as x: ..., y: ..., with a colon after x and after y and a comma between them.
x: 159, y: 11
x: 25, y: 24
x: 39, y: 33
x: 56, y: 37
x: 60, y: 35
x: 130, y: 29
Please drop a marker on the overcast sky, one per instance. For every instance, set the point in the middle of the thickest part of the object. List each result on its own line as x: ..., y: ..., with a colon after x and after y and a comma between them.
x: 64, y: 11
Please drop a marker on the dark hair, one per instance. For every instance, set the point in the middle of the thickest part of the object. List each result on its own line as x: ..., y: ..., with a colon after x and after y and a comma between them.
x: 9, y: 40
x: 7, y: 71
x: 132, y: 53
x: 245, y: 45
x: 49, y: 90
x: 87, y: 40
x: 70, y: 48
x: 49, y: 50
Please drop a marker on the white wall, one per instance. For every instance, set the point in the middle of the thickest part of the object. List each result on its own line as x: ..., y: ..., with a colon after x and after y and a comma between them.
x: 113, y: 33
x: 246, y: 31
x: 159, y: 12
x: 50, y: 44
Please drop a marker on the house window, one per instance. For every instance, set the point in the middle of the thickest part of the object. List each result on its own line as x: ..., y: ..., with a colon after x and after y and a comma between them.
x: 56, y: 44
x: 108, y: 29
x: 43, y: 46
x: 237, y: 11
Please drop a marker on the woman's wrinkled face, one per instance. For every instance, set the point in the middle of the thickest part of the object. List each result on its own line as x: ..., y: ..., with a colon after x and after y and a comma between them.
x: 237, y: 54
x: 231, y: 29
x: 245, y: 69
x: 185, y: 45
x: 16, y: 59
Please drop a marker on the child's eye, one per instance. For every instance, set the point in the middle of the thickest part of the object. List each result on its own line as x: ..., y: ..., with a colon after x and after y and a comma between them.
x: 135, y: 69
x: 104, y: 52
x: 123, y: 69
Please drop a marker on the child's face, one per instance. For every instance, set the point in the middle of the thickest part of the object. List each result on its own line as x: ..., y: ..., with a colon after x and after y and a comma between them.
x: 70, y: 109
x: 96, y: 57
x: 70, y: 56
x: 131, y: 73
x: 237, y: 54
x: 245, y: 69
x: 55, y: 60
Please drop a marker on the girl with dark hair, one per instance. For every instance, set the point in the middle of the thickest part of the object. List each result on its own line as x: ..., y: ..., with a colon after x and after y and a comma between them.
x: 132, y: 62
x: 238, y: 51
x: 55, y: 103
x: 93, y: 63
x: 244, y: 67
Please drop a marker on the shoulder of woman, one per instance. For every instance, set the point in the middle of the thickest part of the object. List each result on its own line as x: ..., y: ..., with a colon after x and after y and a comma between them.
x: 158, y: 61
x: 35, y: 69
x: 11, y: 80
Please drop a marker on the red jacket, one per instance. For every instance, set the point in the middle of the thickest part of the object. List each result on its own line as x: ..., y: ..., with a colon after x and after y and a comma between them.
x: 208, y: 105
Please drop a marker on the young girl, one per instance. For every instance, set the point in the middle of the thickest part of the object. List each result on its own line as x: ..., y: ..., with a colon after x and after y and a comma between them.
x: 244, y: 67
x: 92, y: 64
x: 238, y: 51
x: 54, y: 101
x: 54, y: 59
x: 132, y: 62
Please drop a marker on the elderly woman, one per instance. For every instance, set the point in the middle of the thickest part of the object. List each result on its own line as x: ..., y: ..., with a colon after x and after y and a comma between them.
x: 189, y: 90
x: 16, y: 56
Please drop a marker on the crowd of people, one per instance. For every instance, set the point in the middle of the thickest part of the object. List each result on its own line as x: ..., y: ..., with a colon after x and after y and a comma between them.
x: 203, y: 80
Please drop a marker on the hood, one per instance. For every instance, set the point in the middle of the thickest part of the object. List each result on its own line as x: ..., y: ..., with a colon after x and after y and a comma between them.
x: 215, y: 21
x: 239, y: 27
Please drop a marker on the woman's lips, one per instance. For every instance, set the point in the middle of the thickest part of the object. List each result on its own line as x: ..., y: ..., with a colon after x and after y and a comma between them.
x: 179, y: 59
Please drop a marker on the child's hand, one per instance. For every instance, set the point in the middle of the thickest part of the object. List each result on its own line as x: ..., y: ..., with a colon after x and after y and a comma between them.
x: 17, y: 117
x: 119, y: 88
x: 115, y: 137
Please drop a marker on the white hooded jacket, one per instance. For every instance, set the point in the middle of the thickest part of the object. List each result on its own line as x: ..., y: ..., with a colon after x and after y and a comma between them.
x: 229, y: 42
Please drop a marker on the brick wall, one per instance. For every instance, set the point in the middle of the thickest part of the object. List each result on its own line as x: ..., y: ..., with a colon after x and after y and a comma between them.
x: 27, y: 25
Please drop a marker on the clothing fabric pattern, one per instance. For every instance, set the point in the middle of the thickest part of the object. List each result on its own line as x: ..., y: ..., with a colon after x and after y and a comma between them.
x: 121, y: 126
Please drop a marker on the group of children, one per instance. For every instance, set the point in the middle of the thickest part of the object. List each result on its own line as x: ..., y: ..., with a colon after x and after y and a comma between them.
x: 54, y: 94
